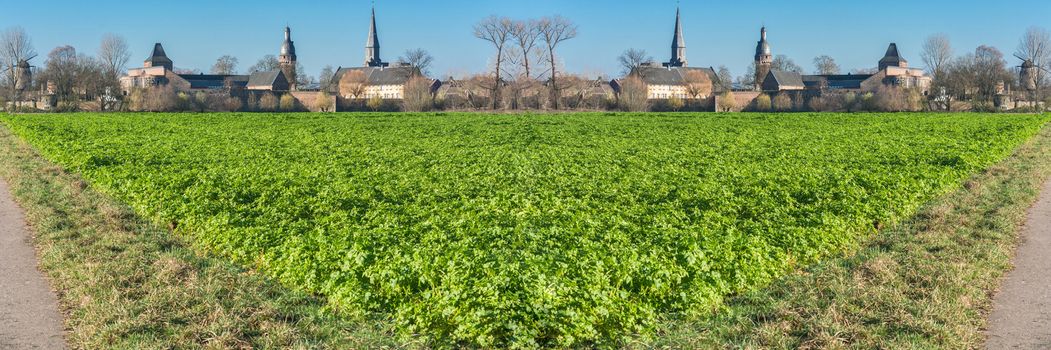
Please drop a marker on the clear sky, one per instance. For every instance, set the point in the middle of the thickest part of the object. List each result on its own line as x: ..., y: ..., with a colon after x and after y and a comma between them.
x: 196, y: 32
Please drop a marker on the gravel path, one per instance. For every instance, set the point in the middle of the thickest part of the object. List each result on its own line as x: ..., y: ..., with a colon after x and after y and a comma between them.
x: 29, y: 314
x: 1021, y: 317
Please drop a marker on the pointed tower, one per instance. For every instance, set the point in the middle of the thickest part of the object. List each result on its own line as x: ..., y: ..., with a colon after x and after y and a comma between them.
x: 764, y: 59
x: 159, y: 59
x: 678, y: 45
x: 372, y: 46
x: 287, y: 60
x: 893, y: 58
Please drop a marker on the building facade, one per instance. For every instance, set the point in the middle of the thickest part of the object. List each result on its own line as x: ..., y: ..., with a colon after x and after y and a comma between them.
x: 674, y: 79
x: 375, y: 78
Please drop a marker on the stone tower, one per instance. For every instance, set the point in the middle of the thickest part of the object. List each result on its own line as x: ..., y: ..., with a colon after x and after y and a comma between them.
x: 372, y: 46
x: 287, y: 59
x: 678, y: 45
x: 763, y: 59
x: 23, y: 76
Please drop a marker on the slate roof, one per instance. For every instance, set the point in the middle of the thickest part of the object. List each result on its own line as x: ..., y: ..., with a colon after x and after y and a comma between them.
x: 158, y: 58
x: 892, y: 58
x: 268, y: 78
x: 835, y: 81
x: 653, y: 75
x: 786, y: 79
x: 214, y: 81
x: 378, y: 75
x: 678, y: 45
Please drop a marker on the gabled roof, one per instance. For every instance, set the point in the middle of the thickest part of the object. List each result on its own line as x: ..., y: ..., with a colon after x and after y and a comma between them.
x: 379, y: 75
x: 653, y: 75
x: 267, y: 78
x: 785, y: 79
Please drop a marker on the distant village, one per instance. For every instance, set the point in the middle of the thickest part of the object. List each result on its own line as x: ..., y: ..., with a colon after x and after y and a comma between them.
x: 979, y: 81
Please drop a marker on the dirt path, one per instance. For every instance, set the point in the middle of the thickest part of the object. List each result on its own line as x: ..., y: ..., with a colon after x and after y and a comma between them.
x: 1021, y: 316
x: 29, y: 316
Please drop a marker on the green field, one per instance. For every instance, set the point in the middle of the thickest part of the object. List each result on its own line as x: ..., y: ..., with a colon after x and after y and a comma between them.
x: 525, y: 230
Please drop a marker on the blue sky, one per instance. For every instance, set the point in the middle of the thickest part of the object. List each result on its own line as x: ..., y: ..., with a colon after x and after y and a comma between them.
x: 196, y: 32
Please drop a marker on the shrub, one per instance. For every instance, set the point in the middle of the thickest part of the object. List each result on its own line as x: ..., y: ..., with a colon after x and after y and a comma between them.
x: 231, y: 104
x: 375, y: 103
x: 675, y: 104
x: 268, y: 103
x: 727, y: 101
x: 160, y: 99
x: 850, y: 101
x: 324, y: 102
x: 762, y: 103
x: 782, y: 102
x: 288, y: 103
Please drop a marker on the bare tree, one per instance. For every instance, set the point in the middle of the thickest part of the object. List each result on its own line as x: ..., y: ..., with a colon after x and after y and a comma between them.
x: 936, y: 54
x: 114, y: 54
x: 990, y: 71
x: 325, y: 78
x: 265, y: 64
x: 726, y: 78
x: 783, y: 63
x: 698, y: 84
x: 497, y: 31
x: 225, y: 65
x: 632, y: 59
x: 632, y: 96
x: 554, y: 31
x: 353, y: 84
x: 825, y: 65
x: 417, y: 96
x: 1035, y: 46
x: 61, y: 71
x: 15, y: 47
x: 525, y: 35
x: 419, y: 59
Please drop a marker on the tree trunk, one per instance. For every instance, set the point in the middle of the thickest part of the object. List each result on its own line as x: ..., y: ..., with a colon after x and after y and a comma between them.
x: 554, y: 83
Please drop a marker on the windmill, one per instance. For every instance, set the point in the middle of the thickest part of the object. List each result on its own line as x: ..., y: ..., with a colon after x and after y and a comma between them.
x: 22, y: 73
x: 1029, y: 74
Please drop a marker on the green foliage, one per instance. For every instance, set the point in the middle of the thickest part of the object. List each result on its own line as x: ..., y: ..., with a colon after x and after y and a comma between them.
x: 526, y: 230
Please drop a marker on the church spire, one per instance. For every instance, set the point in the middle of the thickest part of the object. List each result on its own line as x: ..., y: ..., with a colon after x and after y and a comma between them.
x: 372, y: 46
x: 678, y: 44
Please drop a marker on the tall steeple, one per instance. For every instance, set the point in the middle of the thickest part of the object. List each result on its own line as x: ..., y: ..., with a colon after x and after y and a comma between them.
x: 372, y: 46
x: 678, y: 44
x: 287, y: 60
x: 764, y: 59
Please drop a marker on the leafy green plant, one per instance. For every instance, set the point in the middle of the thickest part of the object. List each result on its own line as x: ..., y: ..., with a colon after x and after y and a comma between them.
x: 526, y: 230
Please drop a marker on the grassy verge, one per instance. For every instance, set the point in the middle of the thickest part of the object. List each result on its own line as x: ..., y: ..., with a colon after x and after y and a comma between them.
x: 924, y: 284
x: 125, y: 283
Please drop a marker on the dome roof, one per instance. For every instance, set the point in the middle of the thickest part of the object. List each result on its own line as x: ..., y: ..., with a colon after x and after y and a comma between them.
x: 288, y: 48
